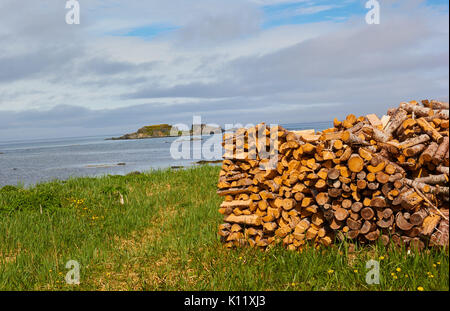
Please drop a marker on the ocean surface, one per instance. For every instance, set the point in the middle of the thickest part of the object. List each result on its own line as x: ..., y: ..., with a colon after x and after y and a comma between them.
x: 34, y: 161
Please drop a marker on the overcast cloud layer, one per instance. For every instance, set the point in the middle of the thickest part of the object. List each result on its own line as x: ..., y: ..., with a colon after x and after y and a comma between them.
x: 132, y: 63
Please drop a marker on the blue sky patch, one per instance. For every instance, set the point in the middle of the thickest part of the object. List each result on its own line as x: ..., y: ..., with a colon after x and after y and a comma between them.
x: 304, y: 12
x: 149, y: 31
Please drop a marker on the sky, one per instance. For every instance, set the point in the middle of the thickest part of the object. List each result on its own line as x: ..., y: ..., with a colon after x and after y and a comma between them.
x: 134, y: 63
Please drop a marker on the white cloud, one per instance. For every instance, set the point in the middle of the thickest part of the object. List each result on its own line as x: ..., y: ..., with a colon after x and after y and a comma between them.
x: 220, y: 64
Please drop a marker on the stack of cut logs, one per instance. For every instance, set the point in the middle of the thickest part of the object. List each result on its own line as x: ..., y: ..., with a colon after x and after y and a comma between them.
x: 366, y: 179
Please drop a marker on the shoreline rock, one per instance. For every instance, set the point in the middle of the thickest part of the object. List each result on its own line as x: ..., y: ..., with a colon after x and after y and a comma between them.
x: 104, y: 165
x: 202, y: 162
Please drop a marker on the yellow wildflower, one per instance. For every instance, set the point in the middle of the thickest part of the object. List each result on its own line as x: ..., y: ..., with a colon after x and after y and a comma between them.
x: 330, y: 271
x: 356, y: 270
x: 420, y: 288
x: 381, y: 257
x: 398, y: 269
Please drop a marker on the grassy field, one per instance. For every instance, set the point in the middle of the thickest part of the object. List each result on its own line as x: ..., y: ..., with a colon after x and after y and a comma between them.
x: 157, y: 231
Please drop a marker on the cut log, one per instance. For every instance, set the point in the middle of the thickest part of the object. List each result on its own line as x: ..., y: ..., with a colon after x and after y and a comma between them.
x: 417, y: 110
x: 250, y: 220
x: 356, y: 207
x: 402, y: 223
x: 441, y: 114
x: 341, y: 214
x: 333, y: 174
x: 376, y: 134
x: 414, y: 150
x: 443, y: 169
x: 418, y: 217
x: 429, y: 224
x: 441, y: 235
x: 431, y: 131
x: 322, y: 198
x: 433, y: 179
x: 374, y: 121
x: 352, y: 139
x: 426, y: 188
x: 233, y: 191
x: 365, y: 228
x: 428, y: 154
x: 414, y: 141
x: 355, y: 163
x: 373, y: 236
x: 378, y: 202
x: 416, y: 244
x: 386, y: 223
x: 435, y: 104
x: 395, y: 121
x: 236, y: 204
x: 335, y: 224
x: 367, y: 213
x: 353, y: 224
x: 438, y: 157
x: 352, y: 234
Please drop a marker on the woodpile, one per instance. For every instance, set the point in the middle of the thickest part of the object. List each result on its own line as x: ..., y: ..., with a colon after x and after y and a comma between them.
x: 366, y: 179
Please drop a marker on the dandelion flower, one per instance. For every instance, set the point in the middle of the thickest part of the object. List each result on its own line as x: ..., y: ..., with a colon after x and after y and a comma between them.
x: 438, y: 262
x: 420, y: 288
x: 381, y: 257
x: 398, y: 269
x: 434, y: 265
x: 330, y: 271
x: 356, y: 270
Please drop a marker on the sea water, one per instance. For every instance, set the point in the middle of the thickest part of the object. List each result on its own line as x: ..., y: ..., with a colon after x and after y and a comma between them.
x: 33, y: 161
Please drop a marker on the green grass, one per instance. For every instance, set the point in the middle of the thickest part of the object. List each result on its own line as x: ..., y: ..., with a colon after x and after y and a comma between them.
x: 164, y: 237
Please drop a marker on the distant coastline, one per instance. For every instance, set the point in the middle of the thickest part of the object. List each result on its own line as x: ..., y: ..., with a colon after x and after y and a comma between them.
x: 166, y: 130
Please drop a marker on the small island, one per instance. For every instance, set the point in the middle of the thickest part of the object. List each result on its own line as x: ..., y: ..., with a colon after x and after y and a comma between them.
x: 167, y: 130
x: 152, y: 131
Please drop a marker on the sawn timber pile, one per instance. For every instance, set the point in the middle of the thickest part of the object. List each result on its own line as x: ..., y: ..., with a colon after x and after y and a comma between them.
x: 365, y: 179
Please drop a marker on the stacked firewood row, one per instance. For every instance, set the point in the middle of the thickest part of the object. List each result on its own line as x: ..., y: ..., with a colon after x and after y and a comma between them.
x: 366, y: 179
